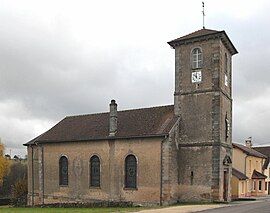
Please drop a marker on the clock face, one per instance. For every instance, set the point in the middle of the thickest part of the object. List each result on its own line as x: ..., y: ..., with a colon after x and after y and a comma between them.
x: 196, y: 77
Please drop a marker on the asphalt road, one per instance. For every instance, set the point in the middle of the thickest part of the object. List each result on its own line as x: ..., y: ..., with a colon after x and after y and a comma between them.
x: 251, y: 207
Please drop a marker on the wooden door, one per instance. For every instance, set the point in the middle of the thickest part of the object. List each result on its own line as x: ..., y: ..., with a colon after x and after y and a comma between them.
x: 225, y: 185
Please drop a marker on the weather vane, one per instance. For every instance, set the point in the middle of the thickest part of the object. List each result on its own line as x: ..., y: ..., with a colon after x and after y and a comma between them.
x: 203, y: 14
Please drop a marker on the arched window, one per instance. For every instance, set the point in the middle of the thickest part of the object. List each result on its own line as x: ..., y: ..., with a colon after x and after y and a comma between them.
x: 131, y: 172
x: 95, y: 171
x: 63, y: 171
x: 227, y: 128
x: 196, y: 58
x: 226, y: 63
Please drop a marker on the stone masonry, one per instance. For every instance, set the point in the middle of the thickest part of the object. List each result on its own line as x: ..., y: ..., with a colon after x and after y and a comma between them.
x: 183, y: 151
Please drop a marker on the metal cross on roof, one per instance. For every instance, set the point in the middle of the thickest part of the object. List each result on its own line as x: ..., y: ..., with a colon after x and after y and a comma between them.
x: 203, y: 14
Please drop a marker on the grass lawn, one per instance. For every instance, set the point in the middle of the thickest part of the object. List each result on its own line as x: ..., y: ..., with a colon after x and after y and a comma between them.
x: 63, y: 210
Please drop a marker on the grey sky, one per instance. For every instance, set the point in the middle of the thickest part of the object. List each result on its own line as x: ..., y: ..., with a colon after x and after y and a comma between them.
x: 59, y: 58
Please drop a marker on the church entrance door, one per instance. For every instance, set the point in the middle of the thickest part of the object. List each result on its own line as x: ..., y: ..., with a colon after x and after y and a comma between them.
x: 225, y: 185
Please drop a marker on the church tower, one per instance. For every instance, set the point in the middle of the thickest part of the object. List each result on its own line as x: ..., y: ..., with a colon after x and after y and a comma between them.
x: 203, y: 102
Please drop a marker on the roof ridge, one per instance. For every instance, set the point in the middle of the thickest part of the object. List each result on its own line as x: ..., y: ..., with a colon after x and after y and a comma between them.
x: 161, y: 106
x: 201, y: 30
x: 261, y: 146
x: 82, y: 115
x: 126, y: 110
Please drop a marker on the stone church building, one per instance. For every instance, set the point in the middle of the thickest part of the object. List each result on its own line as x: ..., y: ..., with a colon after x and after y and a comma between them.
x: 158, y: 155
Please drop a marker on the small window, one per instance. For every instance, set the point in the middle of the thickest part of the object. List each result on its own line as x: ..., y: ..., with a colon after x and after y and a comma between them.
x: 95, y: 171
x: 191, y: 177
x: 131, y: 172
x: 243, y: 187
x: 260, y: 185
x: 63, y: 171
x: 196, y: 58
x: 265, y: 186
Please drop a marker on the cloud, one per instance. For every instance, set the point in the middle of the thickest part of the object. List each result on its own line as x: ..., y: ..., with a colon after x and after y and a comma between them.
x: 60, y: 58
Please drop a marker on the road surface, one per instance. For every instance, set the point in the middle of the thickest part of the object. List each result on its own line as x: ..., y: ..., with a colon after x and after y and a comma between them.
x: 251, y: 207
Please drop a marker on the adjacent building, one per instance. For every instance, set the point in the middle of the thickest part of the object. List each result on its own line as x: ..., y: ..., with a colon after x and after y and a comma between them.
x: 248, y: 178
x: 266, y: 167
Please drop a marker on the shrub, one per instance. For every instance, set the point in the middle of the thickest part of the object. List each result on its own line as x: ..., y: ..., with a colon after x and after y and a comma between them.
x: 19, y: 193
x: 17, y: 171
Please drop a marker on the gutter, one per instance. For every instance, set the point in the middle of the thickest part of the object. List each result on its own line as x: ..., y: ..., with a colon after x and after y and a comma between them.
x: 161, y: 169
x: 32, y: 174
x: 42, y: 162
x: 96, y: 139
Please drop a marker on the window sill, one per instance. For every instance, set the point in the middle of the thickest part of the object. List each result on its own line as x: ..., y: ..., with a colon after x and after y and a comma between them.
x: 63, y: 186
x: 199, y: 68
x: 131, y: 189
x: 94, y: 187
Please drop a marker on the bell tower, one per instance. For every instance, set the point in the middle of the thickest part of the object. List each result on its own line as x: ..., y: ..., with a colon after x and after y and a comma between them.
x: 203, y: 101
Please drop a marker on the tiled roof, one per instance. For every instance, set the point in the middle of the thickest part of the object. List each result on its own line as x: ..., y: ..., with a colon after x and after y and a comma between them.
x: 195, y: 34
x: 258, y: 175
x: 263, y: 149
x: 205, y: 34
x: 249, y: 151
x: 145, y: 122
x: 239, y: 175
x: 266, y: 151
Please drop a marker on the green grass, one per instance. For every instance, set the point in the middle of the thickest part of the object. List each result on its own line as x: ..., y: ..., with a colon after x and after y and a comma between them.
x: 64, y: 210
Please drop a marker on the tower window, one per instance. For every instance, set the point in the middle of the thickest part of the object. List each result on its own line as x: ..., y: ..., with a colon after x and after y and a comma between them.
x: 191, y: 178
x: 226, y: 63
x: 95, y: 171
x: 63, y: 171
x: 196, y: 58
x: 227, y: 128
x: 131, y: 172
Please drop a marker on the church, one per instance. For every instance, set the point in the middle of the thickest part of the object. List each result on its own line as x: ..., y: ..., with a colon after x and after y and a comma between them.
x: 149, y: 156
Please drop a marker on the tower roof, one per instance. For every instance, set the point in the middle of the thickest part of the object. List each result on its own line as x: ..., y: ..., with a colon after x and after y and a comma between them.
x: 197, y: 33
x: 204, y: 34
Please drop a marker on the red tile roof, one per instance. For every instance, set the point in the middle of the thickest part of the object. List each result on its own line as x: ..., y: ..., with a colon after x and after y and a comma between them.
x: 249, y: 151
x: 146, y: 122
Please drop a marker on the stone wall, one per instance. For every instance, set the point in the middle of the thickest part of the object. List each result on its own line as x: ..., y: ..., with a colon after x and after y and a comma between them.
x: 203, y: 108
x: 170, y: 167
x: 112, y: 155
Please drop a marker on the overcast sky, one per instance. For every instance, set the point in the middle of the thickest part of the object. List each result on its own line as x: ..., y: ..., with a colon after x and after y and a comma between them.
x: 61, y: 58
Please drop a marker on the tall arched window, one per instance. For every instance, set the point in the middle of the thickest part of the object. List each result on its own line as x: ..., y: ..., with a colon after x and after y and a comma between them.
x: 63, y: 171
x: 226, y: 63
x: 196, y: 58
x: 95, y: 171
x: 227, y: 128
x: 131, y: 172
